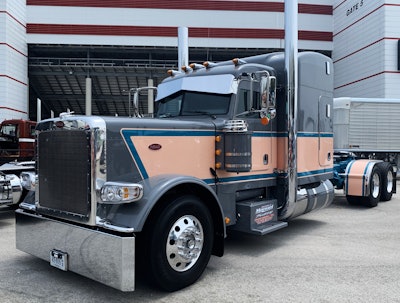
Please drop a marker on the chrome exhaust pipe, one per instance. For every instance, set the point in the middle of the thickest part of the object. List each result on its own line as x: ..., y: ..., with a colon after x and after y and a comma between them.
x: 183, y: 47
x: 291, y: 72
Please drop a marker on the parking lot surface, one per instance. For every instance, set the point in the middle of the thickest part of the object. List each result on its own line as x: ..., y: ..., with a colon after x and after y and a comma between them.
x: 339, y: 254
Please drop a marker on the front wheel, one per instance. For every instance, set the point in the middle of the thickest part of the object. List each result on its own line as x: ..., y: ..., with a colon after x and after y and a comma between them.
x: 179, y: 243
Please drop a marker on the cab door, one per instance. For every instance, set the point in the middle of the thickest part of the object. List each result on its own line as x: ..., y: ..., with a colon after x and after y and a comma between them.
x: 325, y: 136
x: 263, y: 138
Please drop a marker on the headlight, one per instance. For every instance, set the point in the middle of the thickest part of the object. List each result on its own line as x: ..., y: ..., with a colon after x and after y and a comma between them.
x: 28, y: 180
x: 114, y: 192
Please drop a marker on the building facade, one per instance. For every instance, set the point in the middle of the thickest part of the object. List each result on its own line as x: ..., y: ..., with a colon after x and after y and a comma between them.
x: 366, y: 52
x: 13, y: 60
x: 360, y: 35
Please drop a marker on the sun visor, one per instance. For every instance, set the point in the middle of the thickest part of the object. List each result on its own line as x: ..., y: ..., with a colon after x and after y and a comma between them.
x: 217, y: 84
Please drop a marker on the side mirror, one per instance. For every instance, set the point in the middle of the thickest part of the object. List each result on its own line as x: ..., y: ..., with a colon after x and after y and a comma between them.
x: 268, y: 91
x: 268, y: 96
x: 150, y: 101
x: 272, y: 92
x: 136, y: 112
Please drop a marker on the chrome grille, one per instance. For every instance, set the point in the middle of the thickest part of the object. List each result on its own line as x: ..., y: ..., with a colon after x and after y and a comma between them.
x: 64, y: 173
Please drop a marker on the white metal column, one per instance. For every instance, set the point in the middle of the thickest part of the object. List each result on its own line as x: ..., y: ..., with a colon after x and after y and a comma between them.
x: 88, y: 97
x: 13, y: 60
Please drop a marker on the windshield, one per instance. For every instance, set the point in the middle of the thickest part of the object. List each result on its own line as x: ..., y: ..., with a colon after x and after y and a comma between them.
x: 8, y: 129
x: 186, y: 103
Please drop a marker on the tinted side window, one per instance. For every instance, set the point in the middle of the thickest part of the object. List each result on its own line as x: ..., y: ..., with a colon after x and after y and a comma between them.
x: 245, y: 103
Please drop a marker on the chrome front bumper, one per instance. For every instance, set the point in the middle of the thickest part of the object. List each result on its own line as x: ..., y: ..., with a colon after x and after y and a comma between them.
x: 106, y: 258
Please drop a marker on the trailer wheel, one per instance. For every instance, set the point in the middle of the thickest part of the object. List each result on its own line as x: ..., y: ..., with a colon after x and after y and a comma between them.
x: 388, y: 179
x: 180, y: 243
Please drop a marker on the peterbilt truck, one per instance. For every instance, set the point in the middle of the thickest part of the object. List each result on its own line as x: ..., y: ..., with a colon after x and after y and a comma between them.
x: 157, y: 196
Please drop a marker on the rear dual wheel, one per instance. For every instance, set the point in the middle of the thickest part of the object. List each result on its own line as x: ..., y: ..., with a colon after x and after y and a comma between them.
x: 375, y: 186
x: 388, y: 179
x: 381, y: 186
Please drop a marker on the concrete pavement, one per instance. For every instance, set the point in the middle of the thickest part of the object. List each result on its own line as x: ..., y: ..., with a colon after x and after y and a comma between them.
x: 340, y: 254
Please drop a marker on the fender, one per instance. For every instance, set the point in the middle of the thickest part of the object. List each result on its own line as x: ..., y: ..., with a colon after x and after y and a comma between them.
x: 357, y: 175
x: 135, y: 214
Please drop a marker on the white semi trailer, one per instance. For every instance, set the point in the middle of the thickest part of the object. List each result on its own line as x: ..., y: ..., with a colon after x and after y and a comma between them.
x: 368, y: 127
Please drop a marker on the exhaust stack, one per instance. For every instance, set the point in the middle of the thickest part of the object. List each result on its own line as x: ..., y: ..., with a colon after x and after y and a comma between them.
x: 183, y: 47
x: 291, y: 72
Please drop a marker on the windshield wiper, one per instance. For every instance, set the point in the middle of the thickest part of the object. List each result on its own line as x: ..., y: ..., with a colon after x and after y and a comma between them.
x: 201, y: 112
x: 167, y: 115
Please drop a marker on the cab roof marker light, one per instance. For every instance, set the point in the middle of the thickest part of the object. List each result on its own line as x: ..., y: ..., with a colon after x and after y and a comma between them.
x: 120, y: 192
x: 196, y: 66
x: 186, y: 69
x: 172, y: 72
x: 209, y: 64
x: 238, y: 61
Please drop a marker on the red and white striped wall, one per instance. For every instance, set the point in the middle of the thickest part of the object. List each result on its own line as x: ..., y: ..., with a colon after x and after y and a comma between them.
x: 13, y: 60
x: 211, y: 23
x: 365, y: 38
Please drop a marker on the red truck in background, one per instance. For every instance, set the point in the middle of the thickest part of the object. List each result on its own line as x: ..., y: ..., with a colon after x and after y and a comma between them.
x: 17, y: 149
x: 17, y: 140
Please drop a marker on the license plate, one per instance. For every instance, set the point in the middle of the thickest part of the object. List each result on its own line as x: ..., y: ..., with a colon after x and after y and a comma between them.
x: 59, y: 259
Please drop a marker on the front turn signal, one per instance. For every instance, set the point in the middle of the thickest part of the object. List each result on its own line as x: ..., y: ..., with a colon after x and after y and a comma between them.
x: 115, y: 192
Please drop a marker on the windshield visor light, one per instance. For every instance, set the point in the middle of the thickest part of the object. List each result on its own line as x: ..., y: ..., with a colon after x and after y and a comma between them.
x: 112, y: 192
x: 28, y: 180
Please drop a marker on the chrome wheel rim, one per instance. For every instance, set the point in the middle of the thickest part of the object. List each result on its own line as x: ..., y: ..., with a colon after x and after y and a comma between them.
x: 375, y: 185
x: 184, y: 243
x: 389, y: 178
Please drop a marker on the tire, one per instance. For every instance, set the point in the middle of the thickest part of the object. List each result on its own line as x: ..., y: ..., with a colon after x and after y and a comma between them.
x: 354, y: 200
x: 179, y: 243
x: 388, y: 179
x: 374, y: 194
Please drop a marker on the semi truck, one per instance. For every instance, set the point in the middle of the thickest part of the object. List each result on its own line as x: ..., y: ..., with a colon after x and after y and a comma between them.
x: 365, y: 128
x: 17, y: 147
x: 16, y: 181
x: 17, y: 140
x: 226, y: 150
